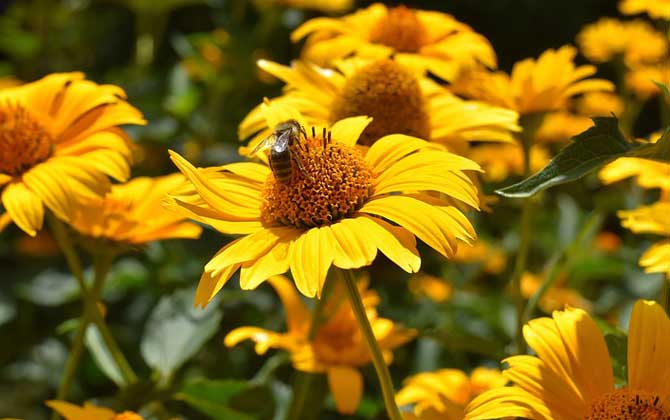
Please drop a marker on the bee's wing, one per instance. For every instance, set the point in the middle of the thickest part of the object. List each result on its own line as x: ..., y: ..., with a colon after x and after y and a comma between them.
x: 282, y: 141
x: 266, y: 143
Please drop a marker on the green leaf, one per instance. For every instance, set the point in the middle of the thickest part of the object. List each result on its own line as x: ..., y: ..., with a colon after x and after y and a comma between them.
x: 103, y: 358
x: 50, y: 288
x: 617, y: 345
x: 590, y: 150
x: 175, y: 331
x: 228, y: 399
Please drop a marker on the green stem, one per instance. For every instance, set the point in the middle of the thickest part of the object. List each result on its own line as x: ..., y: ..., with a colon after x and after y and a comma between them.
x: 375, y: 352
x: 519, y: 268
x: 90, y: 297
x: 304, y: 381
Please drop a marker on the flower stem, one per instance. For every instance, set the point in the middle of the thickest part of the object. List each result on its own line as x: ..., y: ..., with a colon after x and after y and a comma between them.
x: 519, y: 269
x: 375, y: 352
x: 91, y: 311
x: 304, y: 381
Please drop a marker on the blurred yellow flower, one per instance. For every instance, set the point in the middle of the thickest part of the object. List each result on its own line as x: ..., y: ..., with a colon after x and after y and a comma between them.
x: 647, y: 173
x: 434, y: 288
x: 637, y: 41
x: 334, y: 209
x: 651, y: 219
x: 59, y: 140
x: 493, y: 259
x: 399, y: 100
x: 557, y: 297
x: 607, y: 241
x: 594, y: 104
x: 571, y: 378
x: 658, y: 9
x: 338, y: 349
x: 427, y: 40
x: 445, y: 393
x: 561, y: 126
x: 539, y: 85
x: 325, y: 6
x: 132, y: 213
x: 640, y: 79
x: 89, y: 412
x: 501, y: 161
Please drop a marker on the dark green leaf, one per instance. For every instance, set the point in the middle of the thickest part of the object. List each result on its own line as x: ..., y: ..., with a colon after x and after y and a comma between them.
x: 176, y: 331
x: 228, y: 399
x: 589, y: 151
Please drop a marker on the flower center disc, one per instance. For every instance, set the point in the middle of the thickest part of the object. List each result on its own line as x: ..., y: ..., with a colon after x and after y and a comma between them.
x: 624, y: 404
x: 329, y: 181
x: 400, y: 29
x: 390, y: 94
x: 23, y: 141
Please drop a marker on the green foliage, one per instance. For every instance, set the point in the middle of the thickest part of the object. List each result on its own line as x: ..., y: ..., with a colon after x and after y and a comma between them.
x: 229, y: 399
x: 590, y: 150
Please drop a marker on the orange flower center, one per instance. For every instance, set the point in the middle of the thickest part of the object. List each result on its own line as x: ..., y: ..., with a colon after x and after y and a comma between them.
x: 390, y: 94
x: 333, y: 342
x: 23, y: 140
x: 329, y: 181
x: 127, y: 415
x: 625, y: 404
x: 400, y: 29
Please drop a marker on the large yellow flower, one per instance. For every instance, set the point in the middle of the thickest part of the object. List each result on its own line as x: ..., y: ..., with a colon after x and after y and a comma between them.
x: 571, y: 378
x: 444, y: 394
x: 426, y: 40
x: 339, y: 207
x: 132, y: 213
x: 659, y: 9
x: 89, y: 412
x: 636, y: 41
x: 539, y: 85
x: 338, y: 348
x: 647, y: 173
x: 651, y: 219
x: 59, y: 139
x: 399, y: 100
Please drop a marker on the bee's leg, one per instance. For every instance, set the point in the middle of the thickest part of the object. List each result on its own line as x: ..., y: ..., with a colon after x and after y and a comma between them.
x: 302, y: 168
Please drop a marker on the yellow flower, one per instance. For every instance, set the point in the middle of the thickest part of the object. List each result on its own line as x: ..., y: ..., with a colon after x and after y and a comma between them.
x: 651, y: 219
x: 658, y: 9
x: 427, y: 40
x: 338, y: 348
x: 444, y: 394
x: 636, y: 41
x: 399, y: 100
x: 492, y: 258
x: 556, y: 297
x: 539, y: 85
x: 571, y: 378
x: 434, y: 288
x: 648, y: 173
x: 503, y: 160
x: 326, y: 6
x: 560, y: 126
x: 59, y: 139
x: 338, y: 208
x: 89, y: 412
x: 132, y: 213
x: 640, y: 79
x: 593, y: 104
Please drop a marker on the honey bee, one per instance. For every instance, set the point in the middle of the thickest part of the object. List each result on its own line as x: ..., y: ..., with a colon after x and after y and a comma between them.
x: 280, y: 158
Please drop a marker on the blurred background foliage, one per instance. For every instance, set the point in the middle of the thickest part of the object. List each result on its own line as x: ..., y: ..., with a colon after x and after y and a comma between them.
x: 189, y: 65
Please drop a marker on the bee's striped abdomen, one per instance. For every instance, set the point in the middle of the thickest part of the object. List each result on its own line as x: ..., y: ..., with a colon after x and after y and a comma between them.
x: 281, y: 166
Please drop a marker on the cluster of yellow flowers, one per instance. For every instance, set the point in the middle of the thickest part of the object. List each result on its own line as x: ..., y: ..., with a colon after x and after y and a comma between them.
x: 386, y: 123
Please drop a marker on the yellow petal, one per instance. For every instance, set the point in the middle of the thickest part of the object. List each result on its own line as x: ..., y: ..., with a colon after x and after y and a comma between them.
x: 297, y: 314
x: 648, y: 348
x: 44, y: 181
x: 397, y: 243
x: 346, y: 385
x: 24, y: 207
x: 354, y: 248
x: 74, y: 412
x: 311, y: 256
x: 348, y: 130
x: 264, y: 339
x: 509, y: 402
x: 210, y: 284
x: 427, y: 222
x: 275, y: 261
